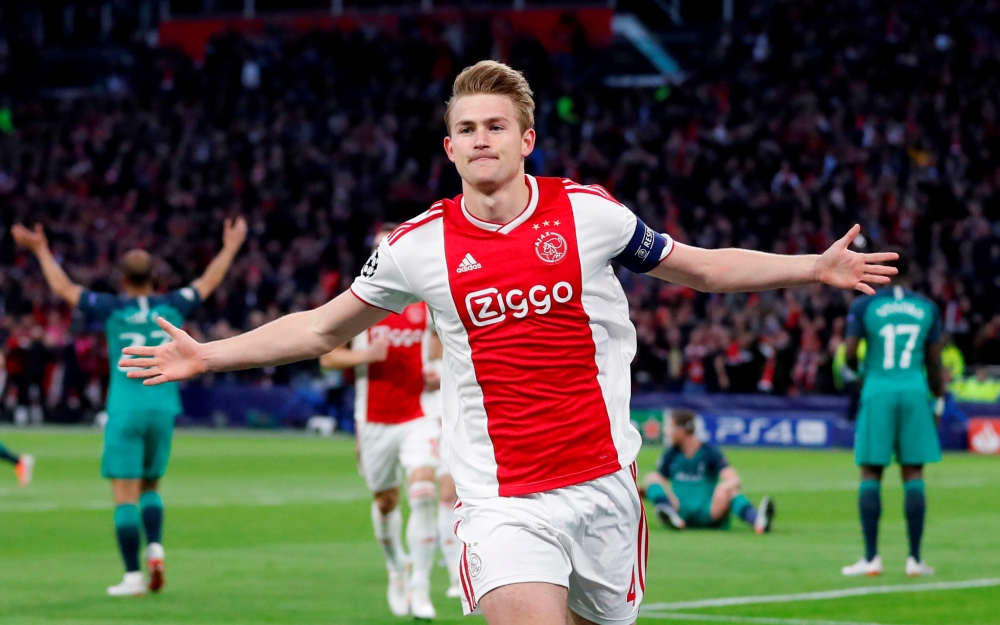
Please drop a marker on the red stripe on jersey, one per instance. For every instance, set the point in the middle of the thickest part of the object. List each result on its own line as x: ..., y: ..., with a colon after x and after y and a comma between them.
x: 410, y: 226
x: 532, y: 347
x: 466, y: 579
x: 396, y: 383
x: 573, y: 187
x: 642, y: 545
x: 589, y: 191
x: 643, y: 548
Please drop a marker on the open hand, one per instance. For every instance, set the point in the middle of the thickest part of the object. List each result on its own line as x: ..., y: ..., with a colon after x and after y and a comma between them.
x: 180, y: 359
x: 234, y: 233
x: 34, y: 240
x: 842, y: 268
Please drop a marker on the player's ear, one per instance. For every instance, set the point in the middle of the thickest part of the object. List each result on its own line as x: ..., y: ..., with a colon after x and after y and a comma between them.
x: 449, y: 149
x: 527, y: 142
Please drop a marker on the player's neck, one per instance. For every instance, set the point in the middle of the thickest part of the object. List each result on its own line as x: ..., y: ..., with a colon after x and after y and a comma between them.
x: 499, y: 205
x: 137, y: 291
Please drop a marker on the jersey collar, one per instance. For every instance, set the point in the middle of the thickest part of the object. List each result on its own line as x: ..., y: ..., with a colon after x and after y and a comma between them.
x: 514, y: 223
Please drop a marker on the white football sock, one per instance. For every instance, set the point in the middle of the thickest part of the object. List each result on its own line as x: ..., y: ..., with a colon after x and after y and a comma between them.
x: 451, y: 546
x: 388, y: 530
x: 421, y: 532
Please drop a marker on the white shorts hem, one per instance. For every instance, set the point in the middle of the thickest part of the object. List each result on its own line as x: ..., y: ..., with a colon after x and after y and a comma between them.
x: 628, y: 620
x: 500, y: 582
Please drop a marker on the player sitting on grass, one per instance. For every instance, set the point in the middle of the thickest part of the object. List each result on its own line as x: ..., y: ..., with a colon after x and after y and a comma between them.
x: 140, y: 419
x: 24, y: 464
x: 694, y: 486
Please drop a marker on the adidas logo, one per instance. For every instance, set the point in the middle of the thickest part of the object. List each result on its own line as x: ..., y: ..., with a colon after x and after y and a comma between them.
x: 468, y: 264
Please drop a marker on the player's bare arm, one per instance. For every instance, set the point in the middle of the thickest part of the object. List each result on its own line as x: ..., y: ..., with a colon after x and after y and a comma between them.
x: 344, y: 358
x: 234, y: 233
x: 935, y: 370
x: 59, y: 282
x: 729, y: 477
x: 299, y: 336
x: 655, y: 477
x: 738, y: 270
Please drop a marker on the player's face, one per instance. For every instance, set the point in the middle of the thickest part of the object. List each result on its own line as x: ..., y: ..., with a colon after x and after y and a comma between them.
x: 677, y: 434
x: 485, y: 142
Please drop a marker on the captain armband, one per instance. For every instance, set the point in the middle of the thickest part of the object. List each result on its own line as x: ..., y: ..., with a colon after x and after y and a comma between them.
x: 645, y: 249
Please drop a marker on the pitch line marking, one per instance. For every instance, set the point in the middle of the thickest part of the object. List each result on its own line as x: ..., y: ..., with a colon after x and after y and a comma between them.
x: 755, y: 620
x: 816, y: 596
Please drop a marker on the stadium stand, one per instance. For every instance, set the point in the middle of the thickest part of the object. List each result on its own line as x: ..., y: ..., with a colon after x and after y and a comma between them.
x: 801, y: 120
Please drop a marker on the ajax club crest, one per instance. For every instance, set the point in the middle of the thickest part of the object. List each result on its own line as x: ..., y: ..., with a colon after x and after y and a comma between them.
x: 550, y: 247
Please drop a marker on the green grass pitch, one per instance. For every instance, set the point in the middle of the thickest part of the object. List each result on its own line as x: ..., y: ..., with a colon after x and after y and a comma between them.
x: 274, y: 528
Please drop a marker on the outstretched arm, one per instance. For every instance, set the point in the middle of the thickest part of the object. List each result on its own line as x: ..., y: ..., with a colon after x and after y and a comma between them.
x: 58, y: 281
x: 344, y: 358
x: 294, y: 337
x: 233, y: 234
x: 737, y: 270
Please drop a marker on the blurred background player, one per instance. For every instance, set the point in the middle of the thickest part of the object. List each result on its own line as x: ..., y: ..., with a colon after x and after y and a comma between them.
x: 24, y: 464
x: 903, y: 333
x: 694, y: 486
x: 431, y: 401
x: 393, y: 434
x: 140, y: 419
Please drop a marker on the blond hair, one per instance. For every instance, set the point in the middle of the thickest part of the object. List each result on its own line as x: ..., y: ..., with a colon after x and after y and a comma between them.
x: 493, y: 78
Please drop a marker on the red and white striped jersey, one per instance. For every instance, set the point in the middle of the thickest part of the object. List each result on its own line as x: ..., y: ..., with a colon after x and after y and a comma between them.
x: 389, y: 391
x: 536, y: 332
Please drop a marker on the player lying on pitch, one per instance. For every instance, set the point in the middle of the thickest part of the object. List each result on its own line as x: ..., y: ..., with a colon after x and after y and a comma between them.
x: 517, y: 276
x: 694, y: 486
x: 24, y: 464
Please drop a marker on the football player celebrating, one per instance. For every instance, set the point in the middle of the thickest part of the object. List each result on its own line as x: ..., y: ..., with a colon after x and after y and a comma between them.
x: 517, y: 276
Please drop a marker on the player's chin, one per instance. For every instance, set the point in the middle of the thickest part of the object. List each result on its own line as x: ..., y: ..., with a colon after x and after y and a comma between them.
x: 491, y: 177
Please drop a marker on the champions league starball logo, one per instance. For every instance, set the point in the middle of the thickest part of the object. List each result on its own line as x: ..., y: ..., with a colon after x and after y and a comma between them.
x: 371, y: 266
x: 550, y: 247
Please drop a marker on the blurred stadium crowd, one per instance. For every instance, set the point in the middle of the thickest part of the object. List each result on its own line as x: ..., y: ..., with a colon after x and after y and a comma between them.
x: 796, y: 123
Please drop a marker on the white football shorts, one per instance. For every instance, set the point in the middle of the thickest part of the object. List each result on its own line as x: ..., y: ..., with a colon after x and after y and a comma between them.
x: 386, y: 450
x: 589, y: 538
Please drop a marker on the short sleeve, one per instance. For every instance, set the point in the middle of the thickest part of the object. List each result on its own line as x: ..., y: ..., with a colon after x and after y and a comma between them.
x: 856, y: 317
x: 185, y: 300
x: 382, y: 283
x: 717, y: 461
x: 934, y: 332
x: 663, y: 466
x: 97, y: 306
x: 613, y: 232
